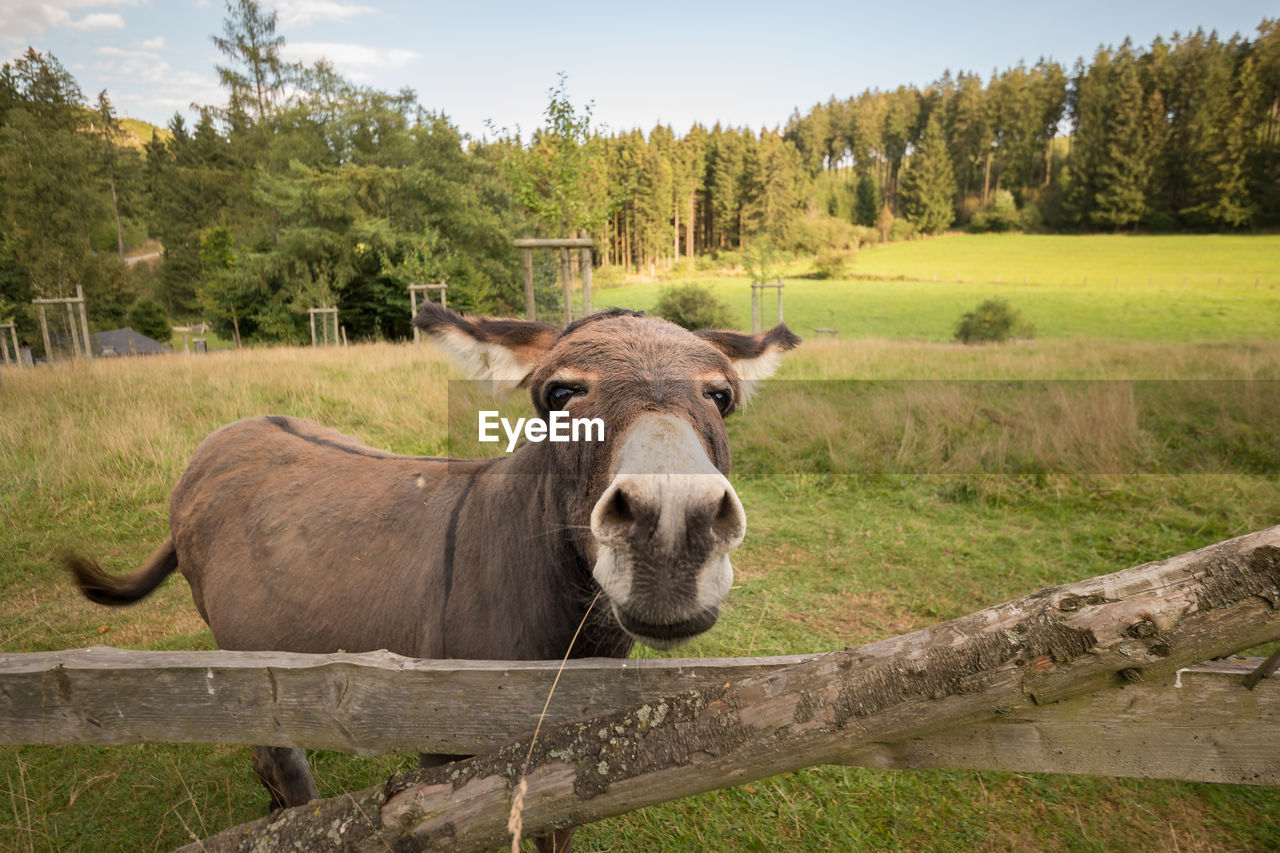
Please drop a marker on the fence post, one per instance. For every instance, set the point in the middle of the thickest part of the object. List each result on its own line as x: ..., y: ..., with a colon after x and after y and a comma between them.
x: 530, y: 308
x: 84, y: 324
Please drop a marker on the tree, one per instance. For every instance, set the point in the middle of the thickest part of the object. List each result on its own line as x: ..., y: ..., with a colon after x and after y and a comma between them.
x: 884, y: 222
x: 108, y: 131
x: 1229, y: 201
x: 928, y: 184
x: 147, y: 317
x: 257, y: 74
x: 50, y: 200
x: 867, y: 202
x: 550, y: 175
x: 725, y: 165
x: 771, y: 189
x: 1123, y: 174
x: 224, y: 295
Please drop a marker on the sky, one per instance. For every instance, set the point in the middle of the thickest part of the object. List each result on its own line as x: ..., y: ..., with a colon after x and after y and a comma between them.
x: 492, y: 64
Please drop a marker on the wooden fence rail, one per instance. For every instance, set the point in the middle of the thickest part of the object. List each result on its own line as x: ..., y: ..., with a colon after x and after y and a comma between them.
x: 1197, y: 724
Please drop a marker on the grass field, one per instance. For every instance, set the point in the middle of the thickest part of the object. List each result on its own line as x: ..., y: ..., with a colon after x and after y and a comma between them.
x: 839, y: 551
x: 1066, y: 286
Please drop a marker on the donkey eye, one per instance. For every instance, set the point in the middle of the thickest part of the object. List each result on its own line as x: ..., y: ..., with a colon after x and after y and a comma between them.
x: 722, y: 397
x: 558, y: 396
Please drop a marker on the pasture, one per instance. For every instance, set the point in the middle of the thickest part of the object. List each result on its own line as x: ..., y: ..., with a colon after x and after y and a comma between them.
x: 833, y: 557
x: 1122, y: 288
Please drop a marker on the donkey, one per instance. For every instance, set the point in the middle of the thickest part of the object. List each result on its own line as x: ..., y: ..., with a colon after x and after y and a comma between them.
x: 296, y: 538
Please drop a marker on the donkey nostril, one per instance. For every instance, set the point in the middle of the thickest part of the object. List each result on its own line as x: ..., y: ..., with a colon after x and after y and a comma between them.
x: 618, y: 510
x: 728, y: 520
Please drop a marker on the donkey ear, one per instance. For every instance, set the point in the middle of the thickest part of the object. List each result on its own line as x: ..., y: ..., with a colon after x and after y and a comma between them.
x: 755, y: 357
x: 499, y: 350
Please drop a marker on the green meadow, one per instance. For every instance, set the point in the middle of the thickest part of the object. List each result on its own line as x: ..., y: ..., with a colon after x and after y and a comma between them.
x: 1122, y: 288
x: 842, y: 548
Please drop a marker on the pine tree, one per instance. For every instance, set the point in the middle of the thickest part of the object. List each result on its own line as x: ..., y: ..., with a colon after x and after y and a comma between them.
x: 928, y: 183
x: 1121, y: 197
x: 50, y: 200
x: 258, y: 75
x: 1232, y: 204
x: 970, y: 139
x: 867, y: 201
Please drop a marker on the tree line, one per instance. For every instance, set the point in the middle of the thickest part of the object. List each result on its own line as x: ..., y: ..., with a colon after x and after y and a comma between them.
x: 306, y: 190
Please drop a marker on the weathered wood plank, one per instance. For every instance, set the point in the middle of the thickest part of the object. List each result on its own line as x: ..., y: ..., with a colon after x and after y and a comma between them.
x: 1200, y: 725
x: 554, y: 243
x: 367, y: 703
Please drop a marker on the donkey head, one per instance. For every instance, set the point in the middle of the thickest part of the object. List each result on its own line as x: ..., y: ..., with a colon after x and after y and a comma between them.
x: 648, y: 507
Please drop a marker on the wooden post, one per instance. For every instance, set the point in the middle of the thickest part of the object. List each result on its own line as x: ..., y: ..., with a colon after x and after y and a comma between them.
x: 44, y: 332
x: 413, y: 312
x: 312, y: 315
x: 71, y: 327
x: 755, y: 308
x: 565, y: 275
x: 779, y: 302
x: 530, y: 308
x: 84, y: 324
x: 587, y: 261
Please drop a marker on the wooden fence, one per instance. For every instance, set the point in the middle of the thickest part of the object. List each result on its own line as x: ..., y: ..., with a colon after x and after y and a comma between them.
x: 1099, y: 677
x: 1197, y: 724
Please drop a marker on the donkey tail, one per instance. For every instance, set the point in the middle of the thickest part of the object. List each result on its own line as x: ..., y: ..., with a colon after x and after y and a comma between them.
x: 100, y: 587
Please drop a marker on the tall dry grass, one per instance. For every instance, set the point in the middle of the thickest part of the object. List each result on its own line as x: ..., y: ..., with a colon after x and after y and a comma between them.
x: 126, y: 424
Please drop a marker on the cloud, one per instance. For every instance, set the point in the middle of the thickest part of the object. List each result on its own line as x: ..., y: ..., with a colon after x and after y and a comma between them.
x: 23, y: 20
x: 144, y: 83
x: 351, y: 60
x: 98, y: 21
x: 303, y: 12
x: 154, y: 44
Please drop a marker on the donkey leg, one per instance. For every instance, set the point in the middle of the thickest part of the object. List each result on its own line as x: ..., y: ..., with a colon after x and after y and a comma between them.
x: 559, y: 841
x: 286, y: 775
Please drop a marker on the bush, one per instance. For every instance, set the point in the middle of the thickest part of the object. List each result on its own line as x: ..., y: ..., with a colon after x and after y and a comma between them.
x: 993, y: 320
x: 865, y: 236
x: 998, y: 215
x: 814, y: 234
x: 146, y: 317
x: 831, y: 263
x: 692, y: 306
x: 901, y: 229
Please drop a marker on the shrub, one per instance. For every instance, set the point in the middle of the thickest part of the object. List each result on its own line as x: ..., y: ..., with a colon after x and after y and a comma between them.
x: 901, y: 229
x: 999, y: 214
x: 993, y: 320
x: 814, y: 234
x: 146, y: 317
x: 865, y: 236
x: 692, y: 306
x: 831, y: 263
